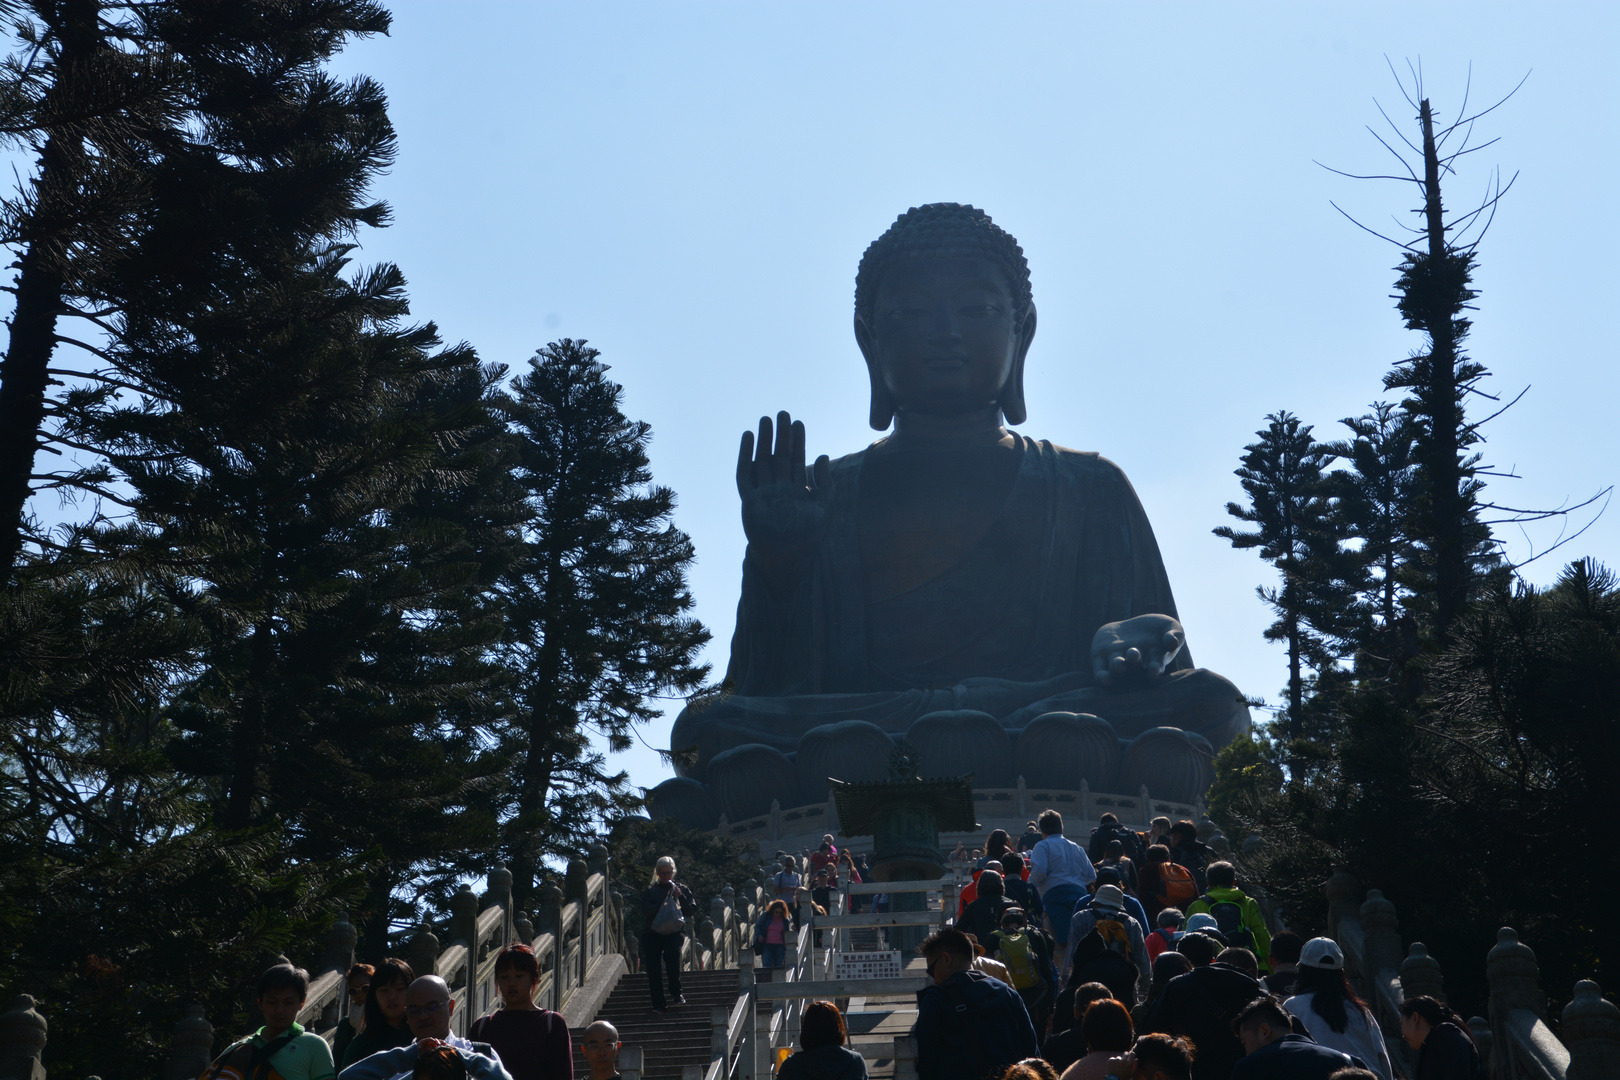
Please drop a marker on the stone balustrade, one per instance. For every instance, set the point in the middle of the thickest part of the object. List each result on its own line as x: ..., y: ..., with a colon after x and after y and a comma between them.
x: 1514, y: 1038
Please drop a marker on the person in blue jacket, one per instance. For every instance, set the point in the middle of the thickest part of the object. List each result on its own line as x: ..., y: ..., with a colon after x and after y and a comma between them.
x: 969, y: 1025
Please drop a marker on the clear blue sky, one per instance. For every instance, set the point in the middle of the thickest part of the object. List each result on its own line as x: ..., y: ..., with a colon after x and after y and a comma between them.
x: 690, y: 187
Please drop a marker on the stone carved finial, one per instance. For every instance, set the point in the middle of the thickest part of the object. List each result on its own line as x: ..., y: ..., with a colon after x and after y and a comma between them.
x: 193, y: 1046
x: 422, y: 951
x: 500, y: 887
x: 464, y: 916
x: 1219, y: 842
x: 1342, y: 889
x: 1382, y: 949
x: 523, y: 927
x: 22, y: 1040
x: 1591, y: 1031
x: 596, y: 861
x: 340, y: 942
x: 1206, y: 828
x: 1420, y: 974
x: 575, y: 880
x: 1515, y: 977
x: 1253, y: 844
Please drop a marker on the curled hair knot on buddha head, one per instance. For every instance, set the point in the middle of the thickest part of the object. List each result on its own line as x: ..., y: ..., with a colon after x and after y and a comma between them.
x: 944, y: 231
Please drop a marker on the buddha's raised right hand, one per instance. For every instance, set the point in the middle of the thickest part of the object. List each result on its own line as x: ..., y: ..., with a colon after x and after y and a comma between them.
x: 784, y: 505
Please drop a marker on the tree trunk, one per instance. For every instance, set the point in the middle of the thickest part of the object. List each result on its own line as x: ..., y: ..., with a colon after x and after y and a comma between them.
x: 1443, y: 452
x: 23, y: 381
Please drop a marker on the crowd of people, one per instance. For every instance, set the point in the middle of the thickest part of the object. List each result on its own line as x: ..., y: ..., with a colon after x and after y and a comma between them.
x: 398, y: 1026
x: 1137, y: 957
x: 1141, y: 957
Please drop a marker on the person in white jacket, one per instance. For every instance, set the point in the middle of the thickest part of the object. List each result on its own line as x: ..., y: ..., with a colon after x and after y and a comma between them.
x: 1330, y: 1010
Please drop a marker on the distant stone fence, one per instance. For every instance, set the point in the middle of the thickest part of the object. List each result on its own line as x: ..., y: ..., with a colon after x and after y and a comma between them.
x: 1514, y: 1038
x: 995, y: 806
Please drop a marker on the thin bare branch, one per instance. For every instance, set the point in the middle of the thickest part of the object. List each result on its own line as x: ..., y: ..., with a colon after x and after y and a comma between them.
x: 1359, y: 225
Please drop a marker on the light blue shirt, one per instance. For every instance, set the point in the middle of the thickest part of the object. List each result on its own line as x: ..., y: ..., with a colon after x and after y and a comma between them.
x: 1057, y: 860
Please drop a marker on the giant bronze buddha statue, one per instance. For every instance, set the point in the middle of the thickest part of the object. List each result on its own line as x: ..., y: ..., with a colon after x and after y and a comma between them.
x: 998, y: 600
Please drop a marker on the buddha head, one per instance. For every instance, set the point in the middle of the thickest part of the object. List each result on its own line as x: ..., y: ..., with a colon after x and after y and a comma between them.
x: 944, y: 315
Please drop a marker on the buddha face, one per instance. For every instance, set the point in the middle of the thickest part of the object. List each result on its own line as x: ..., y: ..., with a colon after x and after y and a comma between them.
x: 945, y: 339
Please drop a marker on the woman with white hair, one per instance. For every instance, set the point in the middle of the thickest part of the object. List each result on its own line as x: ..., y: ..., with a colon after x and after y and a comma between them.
x: 667, y: 910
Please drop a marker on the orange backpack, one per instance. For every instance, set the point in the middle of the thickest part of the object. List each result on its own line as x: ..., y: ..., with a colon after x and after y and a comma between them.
x: 1176, y: 882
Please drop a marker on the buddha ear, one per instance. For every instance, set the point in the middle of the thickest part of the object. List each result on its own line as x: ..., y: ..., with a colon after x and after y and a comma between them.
x: 881, y: 414
x: 1012, y: 394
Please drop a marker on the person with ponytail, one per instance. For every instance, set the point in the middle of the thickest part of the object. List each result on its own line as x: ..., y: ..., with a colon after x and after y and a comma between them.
x: 1330, y: 1010
x: 1444, y: 1046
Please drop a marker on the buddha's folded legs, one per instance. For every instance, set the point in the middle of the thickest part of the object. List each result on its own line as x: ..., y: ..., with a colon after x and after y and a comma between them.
x: 1197, y: 701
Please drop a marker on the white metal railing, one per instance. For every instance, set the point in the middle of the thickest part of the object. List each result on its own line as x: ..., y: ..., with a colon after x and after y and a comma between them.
x: 740, y: 1049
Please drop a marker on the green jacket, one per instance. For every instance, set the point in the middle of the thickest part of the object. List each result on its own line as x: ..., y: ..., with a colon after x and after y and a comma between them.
x: 1252, y: 918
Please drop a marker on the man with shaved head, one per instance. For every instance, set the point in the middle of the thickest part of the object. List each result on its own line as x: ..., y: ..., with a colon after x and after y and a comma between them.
x: 428, y: 1008
x: 601, y: 1045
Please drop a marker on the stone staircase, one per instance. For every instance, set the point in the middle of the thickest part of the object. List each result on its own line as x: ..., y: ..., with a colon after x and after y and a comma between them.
x: 678, y: 1038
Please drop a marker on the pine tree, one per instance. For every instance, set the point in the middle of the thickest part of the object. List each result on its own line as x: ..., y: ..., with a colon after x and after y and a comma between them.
x: 1290, y: 503
x: 598, y: 616
x: 1373, y: 499
x: 178, y: 146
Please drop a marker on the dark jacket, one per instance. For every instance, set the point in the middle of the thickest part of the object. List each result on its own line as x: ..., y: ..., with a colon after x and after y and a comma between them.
x: 971, y: 1026
x: 823, y: 1063
x: 983, y: 918
x: 653, y: 899
x: 1194, y: 856
x: 1292, y: 1057
x: 1448, y: 1054
x: 374, y: 1040
x: 1024, y: 895
x: 1065, y: 1048
x: 1202, y: 1005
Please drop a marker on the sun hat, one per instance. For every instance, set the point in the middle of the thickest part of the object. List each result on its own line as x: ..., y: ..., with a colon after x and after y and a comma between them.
x: 1202, y: 921
x: 1321, y: 952
x: 1108, y: 896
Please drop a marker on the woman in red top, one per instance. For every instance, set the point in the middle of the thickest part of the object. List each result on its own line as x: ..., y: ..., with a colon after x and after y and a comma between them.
x: 533, y: 1042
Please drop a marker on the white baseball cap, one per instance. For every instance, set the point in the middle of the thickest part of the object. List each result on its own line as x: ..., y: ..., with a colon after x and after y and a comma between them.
x: 1321, y: 952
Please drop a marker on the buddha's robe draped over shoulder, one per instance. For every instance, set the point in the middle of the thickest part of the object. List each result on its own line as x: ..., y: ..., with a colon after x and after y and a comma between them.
x: 1010, y: 623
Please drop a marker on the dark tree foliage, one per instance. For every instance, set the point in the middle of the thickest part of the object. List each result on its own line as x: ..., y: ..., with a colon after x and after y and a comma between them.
x: 1477, y: 808
x: 1290, y: 504
x: 1373, y: 500
x: 178, y: 147
x: 597, y: 606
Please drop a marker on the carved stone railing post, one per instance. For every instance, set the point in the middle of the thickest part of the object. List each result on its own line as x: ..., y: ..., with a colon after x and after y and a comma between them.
x: 596, y: 861
x: 193, y: 1046
x: 422, y: 951
x: 1514, y: 977
x: 1420, y: 974
x: 1343, y: 896
x: 500, y: 892
x: 1591, y: 1031
x: 776, y: 820
x: 1085, y: 815
x: 551, y: 899
x: 1206, y: 829
x: 340, y: 941
x: 1146, y: 804
x: 22, y: 1040
x: 523, y: 928
x: 1382, y: 948
x: 464, y: 920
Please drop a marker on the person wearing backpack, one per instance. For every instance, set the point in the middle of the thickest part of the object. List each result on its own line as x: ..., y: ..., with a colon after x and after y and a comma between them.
x: 667, y: 909
x: 969, y: 1025
x: 1161, y: 883
x: 1189, y: 851
x: 785, y: 887
x: 1028, y: 959
x: 1238, y: 917
x: 1101, y: 934
x: 1165, y: 934
x: 1133, y: 907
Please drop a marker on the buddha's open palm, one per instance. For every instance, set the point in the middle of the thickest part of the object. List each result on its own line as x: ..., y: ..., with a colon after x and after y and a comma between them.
x: 784, y: 505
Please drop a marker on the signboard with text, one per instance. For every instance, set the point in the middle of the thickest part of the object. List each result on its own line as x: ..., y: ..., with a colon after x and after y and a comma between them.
x: 880, y: 964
